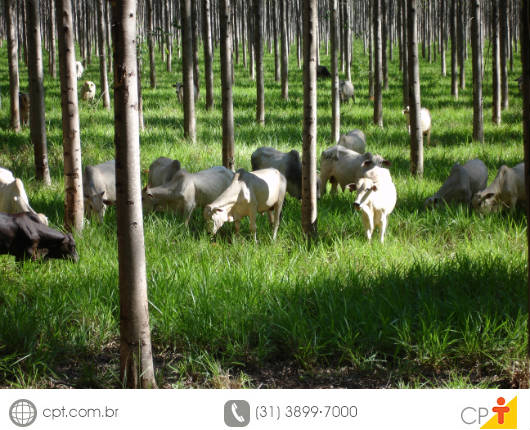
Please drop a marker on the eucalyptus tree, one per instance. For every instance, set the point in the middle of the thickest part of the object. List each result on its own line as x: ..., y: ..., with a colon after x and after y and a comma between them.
x: 12, y: 57
x: 476, y: 46
x: 136, y: 359
x: 335, y: 101
x: 150, y: 44
x: 258, y: 50
x: 208, y: 56
x: 378, y: 72
x: 504, y: 51
x: 284, y: 50
x: 37, y: 120
x: 454, y: 49
x: 103, y: 80
x: 226, y: 82
x: 73, y: 184
x: 187, y: 70
x: 496, y: 67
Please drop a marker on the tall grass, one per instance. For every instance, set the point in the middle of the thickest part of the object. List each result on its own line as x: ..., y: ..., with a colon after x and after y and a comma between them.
x: 441, y: 304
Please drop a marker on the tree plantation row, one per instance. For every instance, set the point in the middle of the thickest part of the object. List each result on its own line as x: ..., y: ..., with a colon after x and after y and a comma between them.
x: 196, y: 44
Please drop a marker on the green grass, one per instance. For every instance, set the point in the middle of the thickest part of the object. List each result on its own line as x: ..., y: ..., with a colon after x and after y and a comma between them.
x: 441, y: 304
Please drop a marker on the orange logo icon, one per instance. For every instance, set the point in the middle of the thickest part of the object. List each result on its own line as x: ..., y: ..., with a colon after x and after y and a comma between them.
x: 505, y: 415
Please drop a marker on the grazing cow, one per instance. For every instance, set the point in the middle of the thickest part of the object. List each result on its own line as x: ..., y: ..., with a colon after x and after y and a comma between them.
x: 179, y: 86
x: 23, y: 236
x: 23, y: 103
x: 249, y: 193
x: 88, y: 91
x: 346, y: 91
x: 506, y: 190
x: 13, y: 197
x: 288, y: 164
x: 186, y: 191
x: 376, y: 199
x: 99, y: 188
x: 79, y: 69
x: 354, y: 140
x: 161, y: 171
x: 425, y: 122
x: 463, y: 182
x: 323, y: 72
x: 342, y: 166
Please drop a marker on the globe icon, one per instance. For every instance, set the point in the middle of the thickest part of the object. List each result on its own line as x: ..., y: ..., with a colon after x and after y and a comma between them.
x: 23, y: 413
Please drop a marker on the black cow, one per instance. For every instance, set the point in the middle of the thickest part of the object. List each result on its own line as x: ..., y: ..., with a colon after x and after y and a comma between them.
x: 323, y: 72
x: 23, y: 236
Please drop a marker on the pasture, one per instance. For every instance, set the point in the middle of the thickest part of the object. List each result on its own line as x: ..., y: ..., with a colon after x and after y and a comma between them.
x: 441, y: 304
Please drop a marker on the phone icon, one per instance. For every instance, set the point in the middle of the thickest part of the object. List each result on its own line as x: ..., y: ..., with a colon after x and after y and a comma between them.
x: 237, y: 413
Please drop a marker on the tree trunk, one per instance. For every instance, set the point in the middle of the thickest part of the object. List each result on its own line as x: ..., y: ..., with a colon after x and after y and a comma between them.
x: 503, y: 34
x: 226, y: 83
x: 169, y: 42
x: 208, y: 58
x: 384, y: 43
x: 37, y: 118
x: 335, y: 102
x: 12, y: 56
x: 136, y: 359
x: 525, y: 59
x: 276, y: 47
x: 187, y: 70
x: 416, y: 136
x: 378, y: 75
x: 284, y: 51
x: 405, y: 65
x: 370, y: 53
x: 454, y: 45
x: 476, y: 46
x: 309, y: 165
x: 347, y: 39
x: 496, y: 67
x: 442, y: 37
x: 150, y: 44
x: 195, y: 44
x: 258, y: 49
x: 53, y: 29
x: 461, y: 44
x: 103, y: 81
x: 73, y: 184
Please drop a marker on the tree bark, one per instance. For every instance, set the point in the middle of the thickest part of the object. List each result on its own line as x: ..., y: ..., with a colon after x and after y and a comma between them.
x: 103, y: 80
x: 309, y: 176
x: 12, y: 56
x: 503, y: 33
x: 454, y: 47
x: 284, y: 51
x: 208, y: 58
x: 169, y: 42
x: 226, y: 83
x: 195, y: 44
x: 150, y: 44
x: 384, y: 43
x: 276, y: 48
x: 461, y: 44
x: 258, y: 49
x: 442, y: 38
x: 496, y: 67
x: 187, y: 70
x: 73, y: 184
x: 405, y: 65
x: 378, y: 72
x: 37, y: 118
x: 335, y: 102
x: 525, y: 59
x: 416, y: 136
x: 53, y: 29
x: 476, y: 46
x: 136, y: 359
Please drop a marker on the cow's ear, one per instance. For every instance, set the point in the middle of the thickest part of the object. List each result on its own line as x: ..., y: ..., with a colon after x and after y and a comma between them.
x: 101, y: 194
x: 215, y: 210
x: 352, y: 187
x: 367, y: 163
x: 176, y: 164
x: 374, y: 187
x: 386, y: 163
x: 108, y: 202
x: 487, y: 196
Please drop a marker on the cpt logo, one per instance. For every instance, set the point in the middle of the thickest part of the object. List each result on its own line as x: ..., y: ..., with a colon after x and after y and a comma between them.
x: 505, y: 415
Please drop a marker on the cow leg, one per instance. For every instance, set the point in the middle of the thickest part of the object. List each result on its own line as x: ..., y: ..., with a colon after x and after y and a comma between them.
x: 324, y: 180
x: 382, y: 227
x: 368, y: 222
x: 428, y: 137
x: 237, y: 224
x: 333, y: 186
x: 270, y: 214
x: 253, y: 225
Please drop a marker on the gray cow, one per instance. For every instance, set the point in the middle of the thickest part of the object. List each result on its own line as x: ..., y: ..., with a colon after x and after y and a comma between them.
x: 186, y: 191
x: 463, y: 182
x: 506, y: 190
x: 354, y: 140
x: 287, y: 163
x: 99, y: 188
x: 179, y: 86
x: 346, y: 91
x: 342, y: 166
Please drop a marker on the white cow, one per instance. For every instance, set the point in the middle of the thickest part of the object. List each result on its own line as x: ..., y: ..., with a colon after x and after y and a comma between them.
x: 13, y: 197
x: 354, y: 140
x: 376, y: 199
x: 425, y: 121
x: 506, y: 190
x: 161, y: 171
x: 249, y: 193
x: 342, y: 166
x: 186, y: 191
x: 346, y: 91
x: 463, y: 182
x: 99, y: 188
x: 88, y: 91
x: 79, y: 69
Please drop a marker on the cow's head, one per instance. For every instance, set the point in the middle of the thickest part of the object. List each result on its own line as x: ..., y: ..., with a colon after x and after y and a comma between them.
x: 215, y: 218
x: 364, y: 188
x: 95, y: 204
x: 64, y: 249
x: 485, y: 202
x: 432, y: 202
